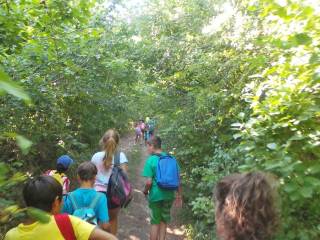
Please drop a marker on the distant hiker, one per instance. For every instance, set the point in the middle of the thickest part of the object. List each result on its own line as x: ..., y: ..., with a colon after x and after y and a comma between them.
x: 63, y: 164
x: 104, y: 162
x: 245, y: 207
x: 151, y: 126
x: 85, y: 202
x: 146, y: 136
x: 158, y: 190
x: 142, y: 126
x: 138, y: 133
x: 45, y: 193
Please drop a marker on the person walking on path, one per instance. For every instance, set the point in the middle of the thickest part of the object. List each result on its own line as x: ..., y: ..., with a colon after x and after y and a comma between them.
x: 160, y: 200
x: 138, y: 133
x: 63, y: 164
x: 45, y: 193
x: 85, y: 202
x: 104, y: 161
x: 142, y: 127
x: 151, y: 126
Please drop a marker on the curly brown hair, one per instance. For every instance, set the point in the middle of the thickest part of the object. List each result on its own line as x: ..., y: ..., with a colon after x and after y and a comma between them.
x: 245, y: 207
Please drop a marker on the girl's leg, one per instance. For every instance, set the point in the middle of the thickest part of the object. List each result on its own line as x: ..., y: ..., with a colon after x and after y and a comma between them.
x: 113, y: 215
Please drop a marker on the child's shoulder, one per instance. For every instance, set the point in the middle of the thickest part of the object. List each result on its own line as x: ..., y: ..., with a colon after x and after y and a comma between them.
x: 98, y: 156
x: 13, y: 233
x: 100, y: 194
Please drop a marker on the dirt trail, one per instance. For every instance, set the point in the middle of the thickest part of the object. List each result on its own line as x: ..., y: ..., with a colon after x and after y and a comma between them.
x: 134, y: 221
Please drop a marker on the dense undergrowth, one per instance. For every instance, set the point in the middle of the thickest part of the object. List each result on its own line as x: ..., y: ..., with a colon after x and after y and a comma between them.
x: 234, y: 86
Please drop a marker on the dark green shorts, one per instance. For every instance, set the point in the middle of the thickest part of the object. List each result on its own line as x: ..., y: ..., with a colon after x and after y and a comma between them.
x: 160, y: 211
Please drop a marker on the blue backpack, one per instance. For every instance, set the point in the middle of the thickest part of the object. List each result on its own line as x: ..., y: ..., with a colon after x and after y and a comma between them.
x: 167, y: 173
x: 86, y: 213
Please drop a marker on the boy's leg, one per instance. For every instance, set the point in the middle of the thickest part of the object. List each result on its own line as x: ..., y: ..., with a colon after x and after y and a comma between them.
x: 155, y: 216
x: 165, y: 218
x: 154, y: 235
x: 162, y: 231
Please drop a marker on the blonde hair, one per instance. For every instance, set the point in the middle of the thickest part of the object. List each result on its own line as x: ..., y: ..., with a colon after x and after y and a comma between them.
x: 109, y: 143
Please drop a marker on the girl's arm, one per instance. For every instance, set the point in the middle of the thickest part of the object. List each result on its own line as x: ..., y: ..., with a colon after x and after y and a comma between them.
x: 124, y: 167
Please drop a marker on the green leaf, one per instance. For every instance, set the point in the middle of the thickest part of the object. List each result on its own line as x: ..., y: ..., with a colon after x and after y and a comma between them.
x: 11, y: 87
x: 306, y: 192
x: 236, y: 136
x: 236, y: 125
x: 3, y: 172
x: 302, y: 39
x: 23, y: 143
x: 315, y: 169
x: 241, y: 115
x: 315, y: 59
x: 38, y: 214
x: 272, y: 146
x: 290, y: 187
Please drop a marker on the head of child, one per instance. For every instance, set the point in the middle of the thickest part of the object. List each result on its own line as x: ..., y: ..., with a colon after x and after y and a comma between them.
x: 245, y: 207
x: 87, y: 173
x: 154, y: 145
x: 109, y: 142
x: 43, y: 192
x: 63, y: 163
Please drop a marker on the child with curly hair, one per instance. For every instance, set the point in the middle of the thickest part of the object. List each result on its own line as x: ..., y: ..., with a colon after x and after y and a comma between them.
x: 245, y: 207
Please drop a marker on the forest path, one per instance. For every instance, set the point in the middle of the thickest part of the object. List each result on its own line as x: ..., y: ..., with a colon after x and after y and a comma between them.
x: 134, y: 221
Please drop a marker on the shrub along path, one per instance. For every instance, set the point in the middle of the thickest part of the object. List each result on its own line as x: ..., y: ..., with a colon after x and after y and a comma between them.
x: 134, y: 221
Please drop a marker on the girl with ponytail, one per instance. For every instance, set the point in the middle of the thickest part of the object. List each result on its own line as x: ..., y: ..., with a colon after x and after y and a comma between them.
x: 104, y: 161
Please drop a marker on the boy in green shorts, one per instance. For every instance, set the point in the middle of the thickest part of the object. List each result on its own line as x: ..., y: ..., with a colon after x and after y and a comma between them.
x: 160, y: 200
x: 45, y: 193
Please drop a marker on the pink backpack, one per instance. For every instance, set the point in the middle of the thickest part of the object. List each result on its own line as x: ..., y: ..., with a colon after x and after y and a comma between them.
x: 119, y: 188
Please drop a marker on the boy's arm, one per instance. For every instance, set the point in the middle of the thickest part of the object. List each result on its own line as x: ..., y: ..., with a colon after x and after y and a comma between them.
x: 67, y: 208
x: 98, y: 234
x: 102, y: 213
x: 179, y: 201
x: 105, y: 226
x: 147, y: 187
x: 148, y: 174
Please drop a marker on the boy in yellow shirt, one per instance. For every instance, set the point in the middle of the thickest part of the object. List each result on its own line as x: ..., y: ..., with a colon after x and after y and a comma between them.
x: 63, y: 164
x: 45, y: 193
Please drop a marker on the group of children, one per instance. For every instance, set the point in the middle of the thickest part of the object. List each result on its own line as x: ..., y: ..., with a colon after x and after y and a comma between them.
x: 244, y: 202
x: 74, y: 215
x: 144, y: 130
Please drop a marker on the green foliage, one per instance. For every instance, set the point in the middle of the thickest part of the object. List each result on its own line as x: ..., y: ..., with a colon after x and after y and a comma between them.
x: 234, y: 86
x: 6, y: 85
x: 238, y: 97
x: 74, y: 67
x: 36, y: 213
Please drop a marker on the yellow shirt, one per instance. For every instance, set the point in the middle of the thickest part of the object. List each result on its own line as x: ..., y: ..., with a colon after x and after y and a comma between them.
x: 49, y: 231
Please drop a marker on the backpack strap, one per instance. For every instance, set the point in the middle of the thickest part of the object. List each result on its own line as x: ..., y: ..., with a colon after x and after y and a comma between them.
x: 65, y: 226
x: 117, y: 159
x: 73, y: 202
x: 95, y: 201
